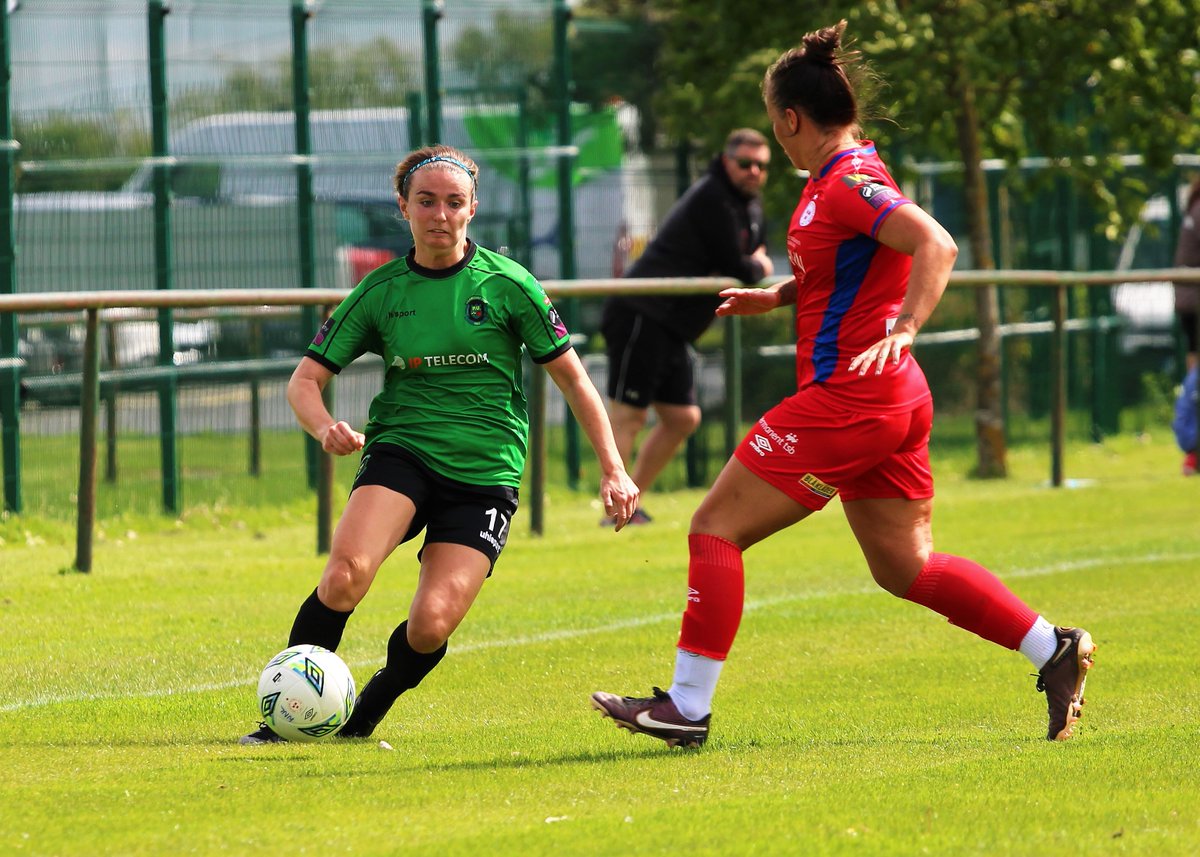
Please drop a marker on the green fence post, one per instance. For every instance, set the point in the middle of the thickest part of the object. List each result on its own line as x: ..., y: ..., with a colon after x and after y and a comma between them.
x: 89, y: 405
x: 1105, y: 407
x: 416, y: 131
x: 163, y: 274
x: 733, y: 383
x: 1058, y: 384
x: 10, y: 366
x: 537, y: 449
x: 1071, y: 263
x: 1002, y: 241
x: 255, y: 463
x: 304, y: 198
x: 110, y: 406
x: 695, y: 455
x: 566, y: 205
x: 695, y: 451
x: 431, y: 13
x: 523, y: 245
x: 1174, y: 209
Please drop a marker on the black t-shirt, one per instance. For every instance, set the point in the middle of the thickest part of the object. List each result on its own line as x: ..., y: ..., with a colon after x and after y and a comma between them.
x: 711, y: 231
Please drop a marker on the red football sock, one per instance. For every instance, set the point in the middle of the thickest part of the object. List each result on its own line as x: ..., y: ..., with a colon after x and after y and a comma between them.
x: 972, y: 597
x: 716, y: 588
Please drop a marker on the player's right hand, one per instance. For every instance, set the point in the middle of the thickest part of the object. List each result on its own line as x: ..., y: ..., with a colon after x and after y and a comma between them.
x: 747, y: 301
x: 341, y: 439
x: 619, y: 495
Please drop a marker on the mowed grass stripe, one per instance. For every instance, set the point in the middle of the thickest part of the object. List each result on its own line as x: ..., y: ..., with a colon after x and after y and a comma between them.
x: 469, y: 646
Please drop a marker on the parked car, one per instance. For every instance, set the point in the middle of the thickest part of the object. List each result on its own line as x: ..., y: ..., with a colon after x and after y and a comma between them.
x: 1147, y: 309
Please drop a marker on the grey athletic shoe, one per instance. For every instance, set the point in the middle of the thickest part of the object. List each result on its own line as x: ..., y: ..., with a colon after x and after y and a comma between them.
x: 653, y: 715
x: 262, y: 735
x: 1062, y: 680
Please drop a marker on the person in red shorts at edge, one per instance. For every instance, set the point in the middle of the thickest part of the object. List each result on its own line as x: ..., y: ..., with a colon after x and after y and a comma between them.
x: 869, y: 267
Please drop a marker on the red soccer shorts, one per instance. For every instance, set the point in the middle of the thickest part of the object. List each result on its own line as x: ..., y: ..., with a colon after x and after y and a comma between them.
x: 810, y: 449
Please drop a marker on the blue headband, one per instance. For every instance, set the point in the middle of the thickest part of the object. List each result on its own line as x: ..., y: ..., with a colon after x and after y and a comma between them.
x: 436, y: 158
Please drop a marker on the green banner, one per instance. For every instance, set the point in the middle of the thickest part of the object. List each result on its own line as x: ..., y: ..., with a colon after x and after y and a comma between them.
x: 595, y: 132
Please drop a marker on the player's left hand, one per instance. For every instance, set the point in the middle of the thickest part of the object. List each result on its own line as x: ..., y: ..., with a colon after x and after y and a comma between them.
x: 620, y: 497
x: 888, y: 348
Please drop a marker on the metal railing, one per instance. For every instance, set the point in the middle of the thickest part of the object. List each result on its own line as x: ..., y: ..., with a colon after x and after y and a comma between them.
x: 93, y: 302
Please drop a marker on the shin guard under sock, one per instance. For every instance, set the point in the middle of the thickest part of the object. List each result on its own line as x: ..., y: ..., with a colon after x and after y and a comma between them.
x: 973, y: 598
x: 318, y: 625
x: 404, y: 670
x: 716, y: 589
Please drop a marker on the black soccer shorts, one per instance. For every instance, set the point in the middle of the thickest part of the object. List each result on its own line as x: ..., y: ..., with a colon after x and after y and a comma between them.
x: 646, y: 363
x: 477, y: 516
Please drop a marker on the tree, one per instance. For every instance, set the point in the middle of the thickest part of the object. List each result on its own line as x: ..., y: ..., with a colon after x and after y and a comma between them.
x: 707, y: 74
x: 486, y: 59
x: 373, y: 74
x: 1081, y: 82
x: 61, y: 135
x: 615, y: 57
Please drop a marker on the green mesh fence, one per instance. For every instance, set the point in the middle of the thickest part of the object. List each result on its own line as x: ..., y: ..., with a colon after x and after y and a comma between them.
x: 84, y: 220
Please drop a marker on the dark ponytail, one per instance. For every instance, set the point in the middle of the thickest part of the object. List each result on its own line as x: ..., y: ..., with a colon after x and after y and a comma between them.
x: 821, y: 78
x: 822, y: 46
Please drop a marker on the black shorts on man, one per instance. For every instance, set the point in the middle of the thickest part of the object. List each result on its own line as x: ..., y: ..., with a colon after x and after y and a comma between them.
x: 477, y: 516
x: 1187, y: 322
x: 646, y: 362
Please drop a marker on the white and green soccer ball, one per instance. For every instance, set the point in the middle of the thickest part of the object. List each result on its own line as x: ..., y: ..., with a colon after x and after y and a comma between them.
x: 305, y: 693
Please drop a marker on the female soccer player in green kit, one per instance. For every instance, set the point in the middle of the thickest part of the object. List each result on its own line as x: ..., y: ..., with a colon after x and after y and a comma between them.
x: 444, y: 445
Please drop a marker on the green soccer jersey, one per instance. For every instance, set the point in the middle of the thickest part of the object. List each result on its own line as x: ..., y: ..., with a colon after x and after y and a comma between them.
x: 451, y: 342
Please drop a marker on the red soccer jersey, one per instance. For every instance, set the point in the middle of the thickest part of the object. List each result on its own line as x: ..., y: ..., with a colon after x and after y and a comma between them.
x: 849, y: 285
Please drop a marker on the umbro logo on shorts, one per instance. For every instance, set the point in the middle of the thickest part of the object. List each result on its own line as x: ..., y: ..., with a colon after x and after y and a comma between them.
x: 761, y: 445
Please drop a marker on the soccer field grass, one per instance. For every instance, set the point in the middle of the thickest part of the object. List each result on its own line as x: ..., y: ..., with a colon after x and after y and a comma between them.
x: 847, y: 721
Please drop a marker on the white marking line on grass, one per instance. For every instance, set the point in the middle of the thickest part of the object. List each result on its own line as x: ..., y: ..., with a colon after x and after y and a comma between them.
x: 623, y: 624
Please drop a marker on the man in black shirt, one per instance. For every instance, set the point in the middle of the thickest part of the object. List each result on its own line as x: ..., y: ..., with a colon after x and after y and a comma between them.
x: 714, y: 229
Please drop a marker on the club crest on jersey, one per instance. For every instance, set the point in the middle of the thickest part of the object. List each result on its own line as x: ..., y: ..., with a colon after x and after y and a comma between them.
x: 477, y: 310
x: 810, y: 211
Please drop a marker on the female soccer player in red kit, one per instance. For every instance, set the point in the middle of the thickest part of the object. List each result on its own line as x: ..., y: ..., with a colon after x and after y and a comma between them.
x: 869, y: 267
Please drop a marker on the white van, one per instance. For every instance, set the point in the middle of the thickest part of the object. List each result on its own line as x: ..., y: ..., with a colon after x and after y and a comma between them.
x: 1148, y: 308
x: 244, y: 159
